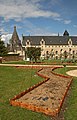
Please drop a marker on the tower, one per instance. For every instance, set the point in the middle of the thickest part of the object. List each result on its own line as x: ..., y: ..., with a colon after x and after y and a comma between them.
x: 15, y: 42
x: 66, y: 33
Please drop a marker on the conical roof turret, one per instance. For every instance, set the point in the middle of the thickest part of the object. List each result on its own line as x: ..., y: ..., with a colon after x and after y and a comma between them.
x: 15, y: 37
x: 15, y: 41
x: 66, y: 33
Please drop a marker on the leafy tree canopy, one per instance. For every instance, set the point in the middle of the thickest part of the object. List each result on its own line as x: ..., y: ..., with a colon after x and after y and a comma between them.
x: 33, y: 53
x: 3, y: 49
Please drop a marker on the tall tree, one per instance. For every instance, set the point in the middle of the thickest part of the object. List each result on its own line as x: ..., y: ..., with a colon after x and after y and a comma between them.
x: 33, y: 53
x: 3, y: 49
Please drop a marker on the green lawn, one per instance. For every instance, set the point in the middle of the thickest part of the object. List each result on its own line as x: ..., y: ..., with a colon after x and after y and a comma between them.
x: 12, y: 82
x: 17, y: 62
x: 43, y: 62
x: 71, y: 112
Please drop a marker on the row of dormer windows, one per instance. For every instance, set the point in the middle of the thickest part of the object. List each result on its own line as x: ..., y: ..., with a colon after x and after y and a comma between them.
x: 42, y: 42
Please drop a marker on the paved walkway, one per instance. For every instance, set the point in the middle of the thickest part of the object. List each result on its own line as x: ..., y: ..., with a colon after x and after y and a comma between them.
x: 30, y: 65
x: 36, y: 65
x: 71, y: 73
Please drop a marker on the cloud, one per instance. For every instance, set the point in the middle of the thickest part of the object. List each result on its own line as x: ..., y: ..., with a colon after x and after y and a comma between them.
x: 41, y: 32
x: 75, y: 26
x: 67, y: 21
x: 17, y: 9
x: 55, y: 2
x: 33, y: 30
x: 6, y: 38
x: 1, y: 30
x: 58, y: 19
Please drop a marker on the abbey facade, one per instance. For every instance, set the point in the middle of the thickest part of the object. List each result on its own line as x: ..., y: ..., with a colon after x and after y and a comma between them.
x: 52, y: 47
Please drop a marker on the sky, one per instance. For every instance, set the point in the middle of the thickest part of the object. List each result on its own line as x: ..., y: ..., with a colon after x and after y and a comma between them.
x: 38, y: 17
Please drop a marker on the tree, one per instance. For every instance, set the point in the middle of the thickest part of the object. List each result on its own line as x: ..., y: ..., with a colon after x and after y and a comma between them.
x: 3, y: 49
x: 33, y: 53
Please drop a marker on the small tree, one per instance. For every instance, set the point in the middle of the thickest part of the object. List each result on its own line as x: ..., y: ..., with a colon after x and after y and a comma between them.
x: 33, y: 53
x: 3, y: 49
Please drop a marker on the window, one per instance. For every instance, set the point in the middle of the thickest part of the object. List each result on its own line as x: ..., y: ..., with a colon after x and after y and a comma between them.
x: 70, y: 49
x: 27, y: 43
x: 47, y: 52
x: 42, y: 42
x: 56, y: 52
x: 73, y: 52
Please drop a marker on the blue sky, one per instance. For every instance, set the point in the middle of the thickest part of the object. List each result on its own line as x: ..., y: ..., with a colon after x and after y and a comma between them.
x: 38, y: 17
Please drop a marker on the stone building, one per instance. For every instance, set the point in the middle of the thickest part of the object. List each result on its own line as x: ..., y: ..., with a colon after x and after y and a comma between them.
x: 15, y: 43
x: 52, y: 47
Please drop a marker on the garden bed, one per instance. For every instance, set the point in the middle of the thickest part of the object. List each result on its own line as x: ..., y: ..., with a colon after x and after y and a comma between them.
x: 46, y: 97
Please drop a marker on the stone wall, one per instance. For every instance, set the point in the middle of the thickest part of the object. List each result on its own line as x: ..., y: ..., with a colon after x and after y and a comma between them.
x: 11, y: 58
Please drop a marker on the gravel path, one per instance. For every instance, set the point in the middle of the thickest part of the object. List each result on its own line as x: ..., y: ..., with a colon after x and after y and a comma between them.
x: 48, y: 95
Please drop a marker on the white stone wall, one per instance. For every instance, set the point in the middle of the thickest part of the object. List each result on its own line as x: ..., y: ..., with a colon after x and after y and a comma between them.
x: 54, y: 51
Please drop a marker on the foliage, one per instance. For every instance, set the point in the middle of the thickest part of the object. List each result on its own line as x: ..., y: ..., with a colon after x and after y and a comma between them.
x: 12, y: 82
x: 33, y: 53
x: 3, y: 49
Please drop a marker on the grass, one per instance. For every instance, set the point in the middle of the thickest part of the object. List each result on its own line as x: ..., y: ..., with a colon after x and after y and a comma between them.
x: 17, y: 62
x: 27, y: 62
x: 71, y: 111
x: 12, y: 82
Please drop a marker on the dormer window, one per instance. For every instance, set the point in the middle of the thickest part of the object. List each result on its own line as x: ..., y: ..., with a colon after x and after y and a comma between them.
x: 42, y: 42
x: 70, y: 42
x: 28, y: 42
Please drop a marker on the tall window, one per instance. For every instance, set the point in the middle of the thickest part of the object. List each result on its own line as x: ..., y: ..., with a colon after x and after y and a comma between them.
x: 70, y: 51
x: 56, y: 52
x: 47, y: 54
x: 27, y: 43
x: 73, y: 52
x: 42, y: 42
x: 65, y: 54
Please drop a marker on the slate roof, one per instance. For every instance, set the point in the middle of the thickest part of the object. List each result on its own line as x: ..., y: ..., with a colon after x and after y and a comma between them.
x: 50, y: 40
